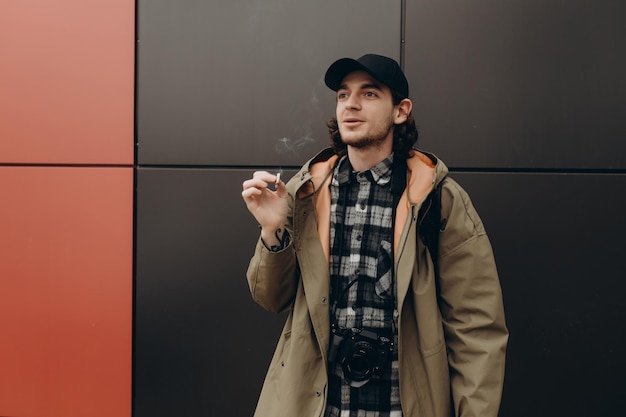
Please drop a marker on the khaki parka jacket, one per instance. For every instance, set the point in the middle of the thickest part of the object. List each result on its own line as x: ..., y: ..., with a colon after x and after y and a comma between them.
x: 452, y: 332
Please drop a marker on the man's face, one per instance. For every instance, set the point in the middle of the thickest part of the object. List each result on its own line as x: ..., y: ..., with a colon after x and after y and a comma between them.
x: 365, y: 111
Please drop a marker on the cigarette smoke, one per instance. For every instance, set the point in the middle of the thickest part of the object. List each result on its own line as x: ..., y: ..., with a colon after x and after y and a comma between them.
x: 287, y: 145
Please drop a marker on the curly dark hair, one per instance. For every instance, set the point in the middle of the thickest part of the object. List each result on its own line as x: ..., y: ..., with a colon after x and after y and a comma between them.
x: 404, y: 135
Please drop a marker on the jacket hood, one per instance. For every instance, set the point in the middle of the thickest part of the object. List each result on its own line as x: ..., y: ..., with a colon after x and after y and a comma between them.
x: 424, y: 172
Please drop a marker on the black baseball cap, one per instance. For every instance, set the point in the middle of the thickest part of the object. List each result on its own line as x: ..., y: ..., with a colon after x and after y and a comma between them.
x: 384, y: 69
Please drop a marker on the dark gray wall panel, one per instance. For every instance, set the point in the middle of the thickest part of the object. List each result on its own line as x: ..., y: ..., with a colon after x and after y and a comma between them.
x: 227, y: 82
x: 559, y: 244
x: 201, y: 344
x: 520, y: 84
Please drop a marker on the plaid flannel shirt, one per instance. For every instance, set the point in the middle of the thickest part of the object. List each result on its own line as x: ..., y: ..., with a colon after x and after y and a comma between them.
x: 362, y: 286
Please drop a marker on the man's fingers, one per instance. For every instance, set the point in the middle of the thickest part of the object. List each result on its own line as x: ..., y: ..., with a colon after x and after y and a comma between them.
x: 263, y: 180
x: 249, y: 192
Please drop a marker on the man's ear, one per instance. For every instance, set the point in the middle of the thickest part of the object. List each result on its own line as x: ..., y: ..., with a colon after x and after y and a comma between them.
x: 402, y: 111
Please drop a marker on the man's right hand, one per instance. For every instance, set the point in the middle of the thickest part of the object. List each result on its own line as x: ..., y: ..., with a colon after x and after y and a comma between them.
x: 269, y: 207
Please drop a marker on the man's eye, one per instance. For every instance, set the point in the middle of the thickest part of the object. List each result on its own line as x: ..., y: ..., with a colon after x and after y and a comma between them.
x: 370, y: 94
x: 342, y: 95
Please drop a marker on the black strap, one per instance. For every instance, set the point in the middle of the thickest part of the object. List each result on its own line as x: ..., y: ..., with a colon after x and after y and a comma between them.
x: 431, y: 223
x: 398, y: 184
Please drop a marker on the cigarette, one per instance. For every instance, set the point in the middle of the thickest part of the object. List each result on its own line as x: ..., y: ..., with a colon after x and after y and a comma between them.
x: 277, y: 179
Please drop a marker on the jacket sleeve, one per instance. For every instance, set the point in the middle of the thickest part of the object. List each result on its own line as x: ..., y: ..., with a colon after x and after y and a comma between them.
x: 471, y: 307
x: 273, y: 277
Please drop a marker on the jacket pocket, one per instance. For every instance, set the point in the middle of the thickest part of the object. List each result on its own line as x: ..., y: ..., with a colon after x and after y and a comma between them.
x: 431, y: 339
x: 297, y: 376
x: 434, y: 349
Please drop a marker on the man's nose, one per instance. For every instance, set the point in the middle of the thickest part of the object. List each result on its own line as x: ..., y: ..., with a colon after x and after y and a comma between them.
x: 353, y: 102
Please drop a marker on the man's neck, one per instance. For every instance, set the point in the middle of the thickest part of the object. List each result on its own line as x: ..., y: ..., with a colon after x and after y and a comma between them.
x: 364, y: 159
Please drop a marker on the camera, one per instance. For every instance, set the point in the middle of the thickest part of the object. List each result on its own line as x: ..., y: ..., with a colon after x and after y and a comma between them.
x: 361, y: 353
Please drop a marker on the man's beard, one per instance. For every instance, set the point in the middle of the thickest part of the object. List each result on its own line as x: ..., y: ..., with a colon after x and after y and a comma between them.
x: 375, y: 140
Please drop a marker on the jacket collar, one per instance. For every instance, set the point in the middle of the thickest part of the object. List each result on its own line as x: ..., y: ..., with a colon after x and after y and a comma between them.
x: 424, y: 171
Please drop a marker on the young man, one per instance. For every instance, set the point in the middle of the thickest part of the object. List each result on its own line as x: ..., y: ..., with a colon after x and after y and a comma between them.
x: 377, y: 326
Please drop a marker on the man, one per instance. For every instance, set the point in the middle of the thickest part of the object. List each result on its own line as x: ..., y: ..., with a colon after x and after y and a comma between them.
x: 377, y: 326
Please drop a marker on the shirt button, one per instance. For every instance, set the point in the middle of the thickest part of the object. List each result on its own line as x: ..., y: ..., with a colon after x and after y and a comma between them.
x: 323, y: 300
x: 318, y: 394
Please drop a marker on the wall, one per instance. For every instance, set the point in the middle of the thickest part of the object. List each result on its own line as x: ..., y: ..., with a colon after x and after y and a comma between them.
x: 66, y: 211
x: 522, y: 99
x: 525, y: 100
x: 223, y: 89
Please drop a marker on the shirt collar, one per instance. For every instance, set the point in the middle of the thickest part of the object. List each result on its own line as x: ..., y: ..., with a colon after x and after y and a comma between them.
x: 379, y: 173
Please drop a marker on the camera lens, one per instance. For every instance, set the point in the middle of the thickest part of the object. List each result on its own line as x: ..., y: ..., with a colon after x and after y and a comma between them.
x: 359, y: 364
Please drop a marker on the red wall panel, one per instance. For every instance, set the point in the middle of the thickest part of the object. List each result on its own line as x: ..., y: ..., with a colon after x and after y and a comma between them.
x: 66, y: 233
x: 66, y: 81
x: 65, y: 291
